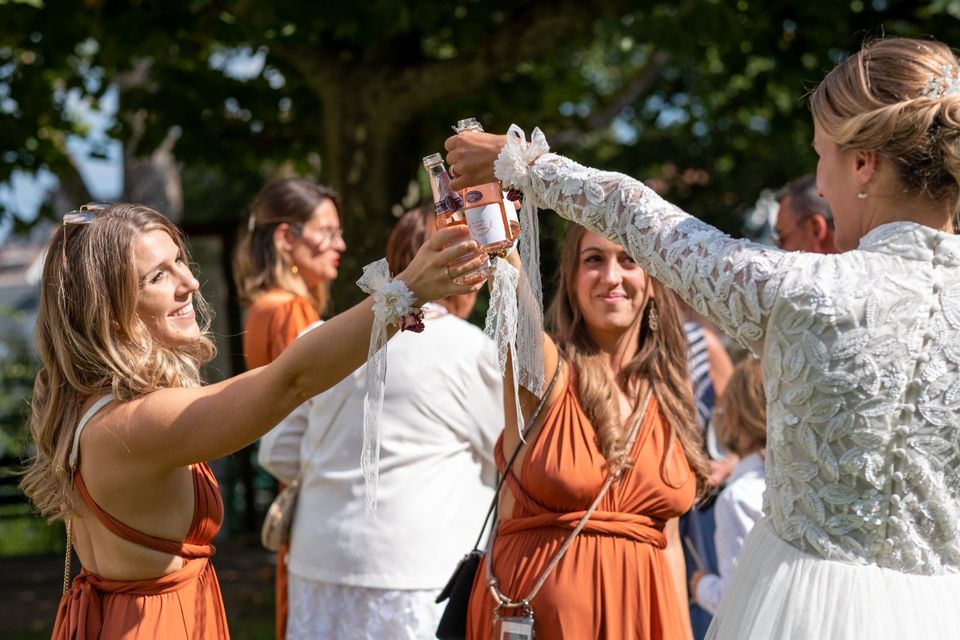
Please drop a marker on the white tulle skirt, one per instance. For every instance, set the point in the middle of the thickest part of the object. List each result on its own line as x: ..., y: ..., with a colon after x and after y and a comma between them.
x: 778, y: 591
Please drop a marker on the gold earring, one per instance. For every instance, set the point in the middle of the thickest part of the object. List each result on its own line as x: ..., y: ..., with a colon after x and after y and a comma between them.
x: 294, y: 269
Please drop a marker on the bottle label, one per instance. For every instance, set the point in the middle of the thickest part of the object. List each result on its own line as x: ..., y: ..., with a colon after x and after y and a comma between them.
x: 486, y: 224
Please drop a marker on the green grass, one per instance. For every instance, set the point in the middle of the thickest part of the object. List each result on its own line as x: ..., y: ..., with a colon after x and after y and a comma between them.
x: 30, y: 535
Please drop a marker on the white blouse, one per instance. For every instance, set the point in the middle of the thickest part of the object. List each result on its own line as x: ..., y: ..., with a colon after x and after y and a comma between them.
x: 737, y: 509
x: 860, y: 352
x: 442, y: 412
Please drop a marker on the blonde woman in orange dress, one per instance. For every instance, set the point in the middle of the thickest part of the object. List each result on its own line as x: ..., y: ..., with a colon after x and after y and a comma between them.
x: 122, y: 424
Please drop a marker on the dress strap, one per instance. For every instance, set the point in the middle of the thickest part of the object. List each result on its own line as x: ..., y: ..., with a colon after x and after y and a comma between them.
x: 128, y: 533
x: 92, y: 411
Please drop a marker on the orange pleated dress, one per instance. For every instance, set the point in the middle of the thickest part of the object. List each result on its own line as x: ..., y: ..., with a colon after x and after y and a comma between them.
x: 182, y: 605
x: 614, y: 581
x: 274, y: 320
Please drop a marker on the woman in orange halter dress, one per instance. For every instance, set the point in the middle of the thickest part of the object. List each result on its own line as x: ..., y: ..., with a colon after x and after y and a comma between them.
x: 122, y: 423
x: 623, y: 575
x: 100, y: 607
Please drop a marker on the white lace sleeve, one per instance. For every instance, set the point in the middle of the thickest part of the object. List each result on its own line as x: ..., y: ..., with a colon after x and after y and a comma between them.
x: 734, y: 283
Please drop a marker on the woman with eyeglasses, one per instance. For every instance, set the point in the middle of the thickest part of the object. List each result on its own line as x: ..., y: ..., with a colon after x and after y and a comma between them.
x: 122, y: 424
x: 861, y: 530
x: 285, y: 262
x: 283, y: 267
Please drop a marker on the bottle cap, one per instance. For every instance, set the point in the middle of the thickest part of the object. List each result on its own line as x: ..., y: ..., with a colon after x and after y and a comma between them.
x: 432, y: 159
x: 467, y: 123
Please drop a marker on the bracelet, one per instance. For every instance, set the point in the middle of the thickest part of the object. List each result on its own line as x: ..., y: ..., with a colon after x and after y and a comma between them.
x: 392, y: 304
x: 392, y: 301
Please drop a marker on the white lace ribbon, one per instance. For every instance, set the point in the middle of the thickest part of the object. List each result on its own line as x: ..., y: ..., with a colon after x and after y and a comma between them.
x: 512, y: 168
x: 392, y: 300
x: 501, y: 324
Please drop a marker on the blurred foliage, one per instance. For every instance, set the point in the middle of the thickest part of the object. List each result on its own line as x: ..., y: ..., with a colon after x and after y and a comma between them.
x: 18, y: 367
x: 702, y: 97
x: 20, y: 530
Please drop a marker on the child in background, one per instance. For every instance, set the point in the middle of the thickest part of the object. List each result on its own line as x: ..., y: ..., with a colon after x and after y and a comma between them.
x: 740, y: 422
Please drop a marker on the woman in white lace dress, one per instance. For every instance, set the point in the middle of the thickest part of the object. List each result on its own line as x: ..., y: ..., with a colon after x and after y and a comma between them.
x: 860, y: 350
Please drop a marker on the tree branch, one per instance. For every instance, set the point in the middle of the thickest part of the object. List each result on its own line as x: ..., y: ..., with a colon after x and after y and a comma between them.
x: 637, y: 86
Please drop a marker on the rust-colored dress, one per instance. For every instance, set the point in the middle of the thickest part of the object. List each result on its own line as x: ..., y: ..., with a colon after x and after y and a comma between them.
x: 274, y: 320
x: 182, y: 605
x: 614, y: 581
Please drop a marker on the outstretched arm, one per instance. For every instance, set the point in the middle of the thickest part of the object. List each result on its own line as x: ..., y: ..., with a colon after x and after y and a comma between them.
x: 733, y: 282
x: 176, y: 427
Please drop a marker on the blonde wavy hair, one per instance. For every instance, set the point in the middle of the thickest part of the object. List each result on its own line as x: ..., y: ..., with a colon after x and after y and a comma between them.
x: 740, y: 418
x: 661, y: 361
x: 90, y: 340
x: 258, y: 266
x: 874, y: 100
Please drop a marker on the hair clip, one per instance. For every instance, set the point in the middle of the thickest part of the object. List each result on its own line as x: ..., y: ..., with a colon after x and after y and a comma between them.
x: 945, y: 84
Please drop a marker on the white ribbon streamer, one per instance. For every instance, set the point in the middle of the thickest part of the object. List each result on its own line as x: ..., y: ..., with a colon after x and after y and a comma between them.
x: 501, y: 324
x: 512, y: 168
x: 392, y: 300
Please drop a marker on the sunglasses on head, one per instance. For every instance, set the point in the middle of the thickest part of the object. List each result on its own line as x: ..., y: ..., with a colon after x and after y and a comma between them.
x: 84, y: 215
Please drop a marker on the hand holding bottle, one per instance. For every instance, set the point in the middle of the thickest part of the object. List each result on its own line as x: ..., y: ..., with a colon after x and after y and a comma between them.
x: 447, y: 254
x: 470, y: 156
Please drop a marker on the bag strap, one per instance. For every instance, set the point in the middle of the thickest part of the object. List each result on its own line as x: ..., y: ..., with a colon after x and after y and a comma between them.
x: 492, y: 582
x: 68, y: 555
x: 530, y: 425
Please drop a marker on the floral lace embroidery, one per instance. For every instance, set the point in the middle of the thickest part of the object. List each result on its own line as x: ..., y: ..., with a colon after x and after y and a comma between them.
x: 860, y: 354
x: 324, y: 610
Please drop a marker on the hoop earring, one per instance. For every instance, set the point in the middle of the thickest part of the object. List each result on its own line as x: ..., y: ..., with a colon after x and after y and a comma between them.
x: 862, y: 195
x: 653, y: 319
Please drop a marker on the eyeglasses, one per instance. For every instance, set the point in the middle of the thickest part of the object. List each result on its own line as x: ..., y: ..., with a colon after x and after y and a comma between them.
x: 323, y: 234
x: 84, y: 215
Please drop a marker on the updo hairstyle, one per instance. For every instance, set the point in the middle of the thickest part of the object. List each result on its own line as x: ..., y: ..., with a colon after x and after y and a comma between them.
x: 899, y: 97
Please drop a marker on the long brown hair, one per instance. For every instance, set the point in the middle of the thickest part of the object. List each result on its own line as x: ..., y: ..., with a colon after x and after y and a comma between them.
x: 257, y: 264
x: 90, y: 340
x: 407, y: 236
x: 661, y: 361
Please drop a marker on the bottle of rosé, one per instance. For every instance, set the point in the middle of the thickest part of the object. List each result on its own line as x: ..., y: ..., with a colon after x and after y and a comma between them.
x: 449, y: 210
x: 491, y: 216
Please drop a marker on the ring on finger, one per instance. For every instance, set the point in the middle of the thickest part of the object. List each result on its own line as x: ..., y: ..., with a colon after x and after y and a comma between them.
x: 446, y: 271
x: 454, y: 173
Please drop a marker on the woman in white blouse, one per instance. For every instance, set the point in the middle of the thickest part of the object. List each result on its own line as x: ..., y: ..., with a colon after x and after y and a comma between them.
x: 354, y: 575
x: 741, y: 426
x: 861, y: 534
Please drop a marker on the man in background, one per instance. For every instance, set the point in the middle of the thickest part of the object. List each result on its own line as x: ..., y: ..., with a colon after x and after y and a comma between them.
x: 804, y: 221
